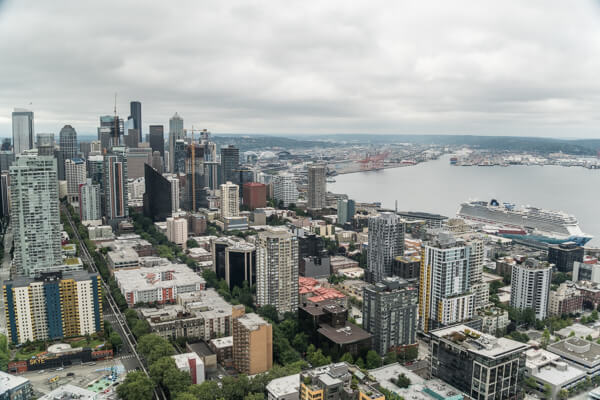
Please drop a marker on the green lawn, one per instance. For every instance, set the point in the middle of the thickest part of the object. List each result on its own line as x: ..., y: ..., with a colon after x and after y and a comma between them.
x: 23, y: 355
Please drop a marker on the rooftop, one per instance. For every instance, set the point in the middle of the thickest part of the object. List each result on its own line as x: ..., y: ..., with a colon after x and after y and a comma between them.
x: 160, y: 276
x: 578, y: 350
x: 201, y: 349
x: 181, y: 360
x: 69, y: 392
x: 288, y: 385
x: 350, y: 333
x: 223, y: 342
x: 479, y: 343
x: 8, y: 381
x: 252, y: 321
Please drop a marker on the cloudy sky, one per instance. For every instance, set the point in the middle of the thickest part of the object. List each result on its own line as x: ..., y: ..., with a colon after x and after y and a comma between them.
x: 470, y: 67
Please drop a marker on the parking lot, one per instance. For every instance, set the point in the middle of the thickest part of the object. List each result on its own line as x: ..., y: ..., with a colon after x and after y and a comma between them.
x: 78, y: 375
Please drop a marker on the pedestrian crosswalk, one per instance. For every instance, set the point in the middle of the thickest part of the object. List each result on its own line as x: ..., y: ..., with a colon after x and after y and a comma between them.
x: 127, y: 357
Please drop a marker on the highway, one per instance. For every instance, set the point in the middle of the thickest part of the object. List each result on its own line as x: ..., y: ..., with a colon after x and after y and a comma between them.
x: 114, y: 316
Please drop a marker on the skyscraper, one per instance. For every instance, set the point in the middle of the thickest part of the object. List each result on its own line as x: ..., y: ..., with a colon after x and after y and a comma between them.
x: 444, y: 294
x: 115, y: 184
x: 45, y: 144
x: 178, y: 158
x: 285, y: 189
x: 230, y: 201
x: 68, y: 142
x: 135, y: 110
x: 175, y: 133
x: 90, y: 206
x: 317, y: 186
x: 530, y: 286
x: 22, y: 130
x: 157, y: 139
x: 158, y: 196
x: 386, y: 242
x: 277, y: 270
x: 157, y: 162
x: 390, y: 314
x: 345, y: 210
x: 230, y: 163
x: 95, y: 169
x: 35, y: 214
x: 76, y: 175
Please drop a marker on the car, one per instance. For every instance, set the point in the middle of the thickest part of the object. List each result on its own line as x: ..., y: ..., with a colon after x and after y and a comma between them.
x: 220, y: 377
x: 41, y: 372
x: 71, y: 374
x: 59, y: 368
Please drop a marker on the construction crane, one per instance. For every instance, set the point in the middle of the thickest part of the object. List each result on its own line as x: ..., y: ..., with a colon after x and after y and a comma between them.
x: 372, y: 162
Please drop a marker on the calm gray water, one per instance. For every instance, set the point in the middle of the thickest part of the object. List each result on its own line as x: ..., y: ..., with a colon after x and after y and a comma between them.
x: 438, y: 187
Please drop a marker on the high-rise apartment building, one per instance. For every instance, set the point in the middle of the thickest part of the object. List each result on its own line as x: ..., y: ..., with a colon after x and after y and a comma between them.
x: 480, y: 365
x: 177, y: 230
x: 174, y: 192
x: 53, y: 306
x: 115, y: 185
x: 444, y: 294
x: 230, y: 201
x: 317, y: 186
x: 5, y: 193
x: 68, y: 142
x: 390, y: 314
x: 277, y: 270
x: 35, y: 214
x: 95, y: 169
x: 230, y: 164
x: 22, y: 130
x: 6, y: 159
x: 564, y: 255
x: 530, y: 287
x: 90, y: 205
x: 386, y: 242
x: 157, y: 139
x: 480, y: 289
x: 252, y: 344
x: 176, y: 133
x: 76, y: 175
x: 45, y: 144
x: 285, y: 189
x: 346, y: 209
x: 254, y: 195
x: 135, y: 111
x: 178, y: 157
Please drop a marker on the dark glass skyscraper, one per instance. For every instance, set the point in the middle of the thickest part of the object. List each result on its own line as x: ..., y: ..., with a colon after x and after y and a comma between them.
x: 230, y: 164
x: 68, y: 142
x: 157, y: 139
x: 136, y: 114
x: 157, y: 198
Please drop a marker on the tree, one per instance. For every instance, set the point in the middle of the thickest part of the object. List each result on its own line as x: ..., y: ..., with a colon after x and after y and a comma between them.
x: 208, y: 390
x: 268, y: 311
x: 347, y: 357
x: 545, y: 338
x: 317, y: 358
x: 563, y: 394
x: 300, y: 342
x: 360, y: 363
x: 402, y: 381
x: 373, y: 360
x: 191, y: 243
x: 547, y: 391
x: 176, y: 381
x: 153, y: 347
x: 390, y: 358
x: 255, y: 396
x: 137, y: 386
x: 159, y: 368
x: 115, y: 341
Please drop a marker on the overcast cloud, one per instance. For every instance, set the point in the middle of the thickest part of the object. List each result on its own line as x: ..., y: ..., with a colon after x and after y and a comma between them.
x: 470, y: 67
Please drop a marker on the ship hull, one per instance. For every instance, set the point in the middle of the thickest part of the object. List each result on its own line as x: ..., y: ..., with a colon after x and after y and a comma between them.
x: 579, y: 240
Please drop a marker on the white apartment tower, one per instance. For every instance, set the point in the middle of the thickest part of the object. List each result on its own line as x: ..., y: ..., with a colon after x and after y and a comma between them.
x: 386, y: 242
x: 174, y: 192
x: 285, y: 189
x: 230, y: 200
x: 35, y: 214
x: 76, y: 175
x: 444, y: 286
x: 177, y: 230
x: 90, y: 207
x: 530, y: 287
x: 277, y: 270
x: 317, y: 186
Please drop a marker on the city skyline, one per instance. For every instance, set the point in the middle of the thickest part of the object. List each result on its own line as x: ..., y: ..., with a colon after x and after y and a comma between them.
x: 496, y: 69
